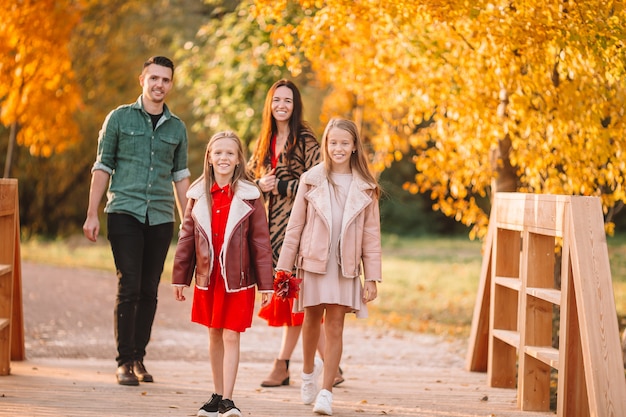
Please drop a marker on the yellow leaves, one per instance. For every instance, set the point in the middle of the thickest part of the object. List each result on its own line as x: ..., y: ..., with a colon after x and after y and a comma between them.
x: 560, y: 71
x: 37, y: 88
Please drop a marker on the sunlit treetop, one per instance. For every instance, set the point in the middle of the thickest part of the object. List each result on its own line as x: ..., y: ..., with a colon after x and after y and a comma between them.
x: 543, y: 81
x: 37, y: 88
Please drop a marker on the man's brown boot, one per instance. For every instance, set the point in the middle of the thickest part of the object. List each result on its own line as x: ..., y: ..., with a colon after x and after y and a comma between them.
x: 126, y: 375
x: 279, y: 375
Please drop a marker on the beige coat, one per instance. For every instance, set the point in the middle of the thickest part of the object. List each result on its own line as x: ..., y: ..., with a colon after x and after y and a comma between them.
x: 307, y: 239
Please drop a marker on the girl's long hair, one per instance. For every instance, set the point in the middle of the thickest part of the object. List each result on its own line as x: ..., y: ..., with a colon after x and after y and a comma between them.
x: 240, y: 173
x: 358, y: 159
x: 261, y: 154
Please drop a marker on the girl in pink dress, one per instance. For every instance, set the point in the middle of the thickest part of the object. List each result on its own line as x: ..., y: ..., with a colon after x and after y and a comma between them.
x: 332, y: 238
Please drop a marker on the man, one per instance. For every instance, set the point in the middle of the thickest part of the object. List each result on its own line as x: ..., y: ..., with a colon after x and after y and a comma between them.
x: 142, y: 149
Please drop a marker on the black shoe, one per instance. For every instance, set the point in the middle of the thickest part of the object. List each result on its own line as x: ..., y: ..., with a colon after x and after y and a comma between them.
x: 140, y: 371
x: 227, y: 408
x: 211, y: 407
x: 126, y: 375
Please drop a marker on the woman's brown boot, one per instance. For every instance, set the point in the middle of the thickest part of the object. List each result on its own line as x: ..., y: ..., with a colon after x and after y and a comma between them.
x: 279, y: 375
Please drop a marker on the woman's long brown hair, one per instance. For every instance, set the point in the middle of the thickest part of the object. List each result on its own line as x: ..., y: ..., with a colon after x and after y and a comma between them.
x: 261, y: 154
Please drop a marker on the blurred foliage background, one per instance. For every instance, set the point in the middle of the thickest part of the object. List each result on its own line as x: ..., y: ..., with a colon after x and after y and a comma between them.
x: 452, y: 105
x: 221, y: 81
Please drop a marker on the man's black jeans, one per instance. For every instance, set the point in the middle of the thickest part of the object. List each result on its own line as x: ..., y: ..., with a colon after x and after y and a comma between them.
x: 139, y: 251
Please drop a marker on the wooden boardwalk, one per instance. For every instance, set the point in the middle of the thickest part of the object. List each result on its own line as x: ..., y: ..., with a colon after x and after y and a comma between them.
x: 70, y: 368
x: 85, y: 387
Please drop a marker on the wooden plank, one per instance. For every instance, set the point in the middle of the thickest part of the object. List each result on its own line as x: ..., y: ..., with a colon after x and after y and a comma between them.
x: 502, y: 364
x: 534, y: 384
x: 546, y: 354
x: 509, y: 337
x: 538, y: 322
x: 8, y: 189
x: 478, y: 344
x: 536, y: 213
x: 18, y: 345
x: 535, y: 323
x: 540, y: 253
x: 511, y: 283
x: 595, y: 302
x: 506, y: 242
x: 86, y: 388
x: 572, y: 398
x: 550, y: 295
x: 502, y: 369
x: 8, y: 207
x: 5, y: 353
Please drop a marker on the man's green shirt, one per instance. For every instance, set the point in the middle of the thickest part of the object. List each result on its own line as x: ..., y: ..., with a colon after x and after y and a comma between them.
x: 142, y: 162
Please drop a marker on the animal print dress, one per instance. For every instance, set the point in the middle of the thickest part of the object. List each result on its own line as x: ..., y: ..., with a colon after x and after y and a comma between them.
x: 306, y: 154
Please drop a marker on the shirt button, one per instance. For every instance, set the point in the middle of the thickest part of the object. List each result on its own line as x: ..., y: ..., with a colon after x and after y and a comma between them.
x: 218, y: 211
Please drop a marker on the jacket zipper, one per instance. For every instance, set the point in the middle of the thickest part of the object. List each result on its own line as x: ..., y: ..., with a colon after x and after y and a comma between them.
x: 241, y: 255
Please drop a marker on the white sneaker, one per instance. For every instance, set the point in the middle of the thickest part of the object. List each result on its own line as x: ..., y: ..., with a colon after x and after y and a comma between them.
x: 324, y: 403
x: 308, y: 390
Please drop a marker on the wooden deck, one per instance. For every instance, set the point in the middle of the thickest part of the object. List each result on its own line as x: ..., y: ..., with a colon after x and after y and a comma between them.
x: 69, y: 371
x: 85, y: 387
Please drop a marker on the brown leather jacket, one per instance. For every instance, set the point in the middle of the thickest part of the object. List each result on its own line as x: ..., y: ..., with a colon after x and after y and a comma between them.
x: 307, y: 239
x: 246, y: 256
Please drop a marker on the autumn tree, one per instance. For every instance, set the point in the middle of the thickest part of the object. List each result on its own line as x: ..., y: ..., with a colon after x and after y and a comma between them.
x: 38, y: 93
x: 520, y: 95
x: 107, y: 47
x: 224, y: 68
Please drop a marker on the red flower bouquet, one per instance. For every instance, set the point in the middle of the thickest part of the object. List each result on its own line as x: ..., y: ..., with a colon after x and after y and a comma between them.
x: 286, y: 285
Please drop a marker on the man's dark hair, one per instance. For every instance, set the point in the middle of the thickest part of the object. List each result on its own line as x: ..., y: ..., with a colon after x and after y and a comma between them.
x: 159, y: 60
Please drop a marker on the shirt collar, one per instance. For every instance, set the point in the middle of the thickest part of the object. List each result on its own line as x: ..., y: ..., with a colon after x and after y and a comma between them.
x: 216, y: 188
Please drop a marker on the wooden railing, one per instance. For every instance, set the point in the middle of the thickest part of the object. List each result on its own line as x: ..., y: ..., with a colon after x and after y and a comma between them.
x: 512, y: 329
x: 11, y: 318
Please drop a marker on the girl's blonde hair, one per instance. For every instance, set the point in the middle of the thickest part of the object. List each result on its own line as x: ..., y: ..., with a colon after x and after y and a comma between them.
x: 240, y: 173
x: 358, y: 159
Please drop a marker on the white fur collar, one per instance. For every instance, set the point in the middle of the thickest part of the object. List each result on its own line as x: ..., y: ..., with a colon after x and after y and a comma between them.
x: 239, y: 209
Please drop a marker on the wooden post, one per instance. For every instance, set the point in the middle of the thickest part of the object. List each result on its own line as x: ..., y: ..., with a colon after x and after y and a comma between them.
x: 11, y: 321
x: 18, y: 348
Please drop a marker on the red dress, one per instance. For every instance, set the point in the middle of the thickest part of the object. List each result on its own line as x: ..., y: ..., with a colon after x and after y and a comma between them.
x: 279, y: 312
x: 216, y: 308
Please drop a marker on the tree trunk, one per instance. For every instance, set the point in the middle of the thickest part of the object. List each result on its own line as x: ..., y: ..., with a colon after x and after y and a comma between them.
x: 506, y: 177
x: 9, y: 157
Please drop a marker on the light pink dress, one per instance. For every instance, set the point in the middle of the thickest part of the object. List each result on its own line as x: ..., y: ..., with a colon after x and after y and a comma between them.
x: 333, y: 287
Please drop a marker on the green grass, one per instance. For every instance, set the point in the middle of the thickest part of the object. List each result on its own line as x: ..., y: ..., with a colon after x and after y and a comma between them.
x: 429, y: 284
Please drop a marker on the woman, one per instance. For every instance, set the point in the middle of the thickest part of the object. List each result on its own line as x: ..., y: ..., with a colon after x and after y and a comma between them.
x: 285, y: 149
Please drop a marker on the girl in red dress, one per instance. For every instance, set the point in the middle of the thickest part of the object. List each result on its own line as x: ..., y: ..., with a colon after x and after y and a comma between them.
x: 224, y: 237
